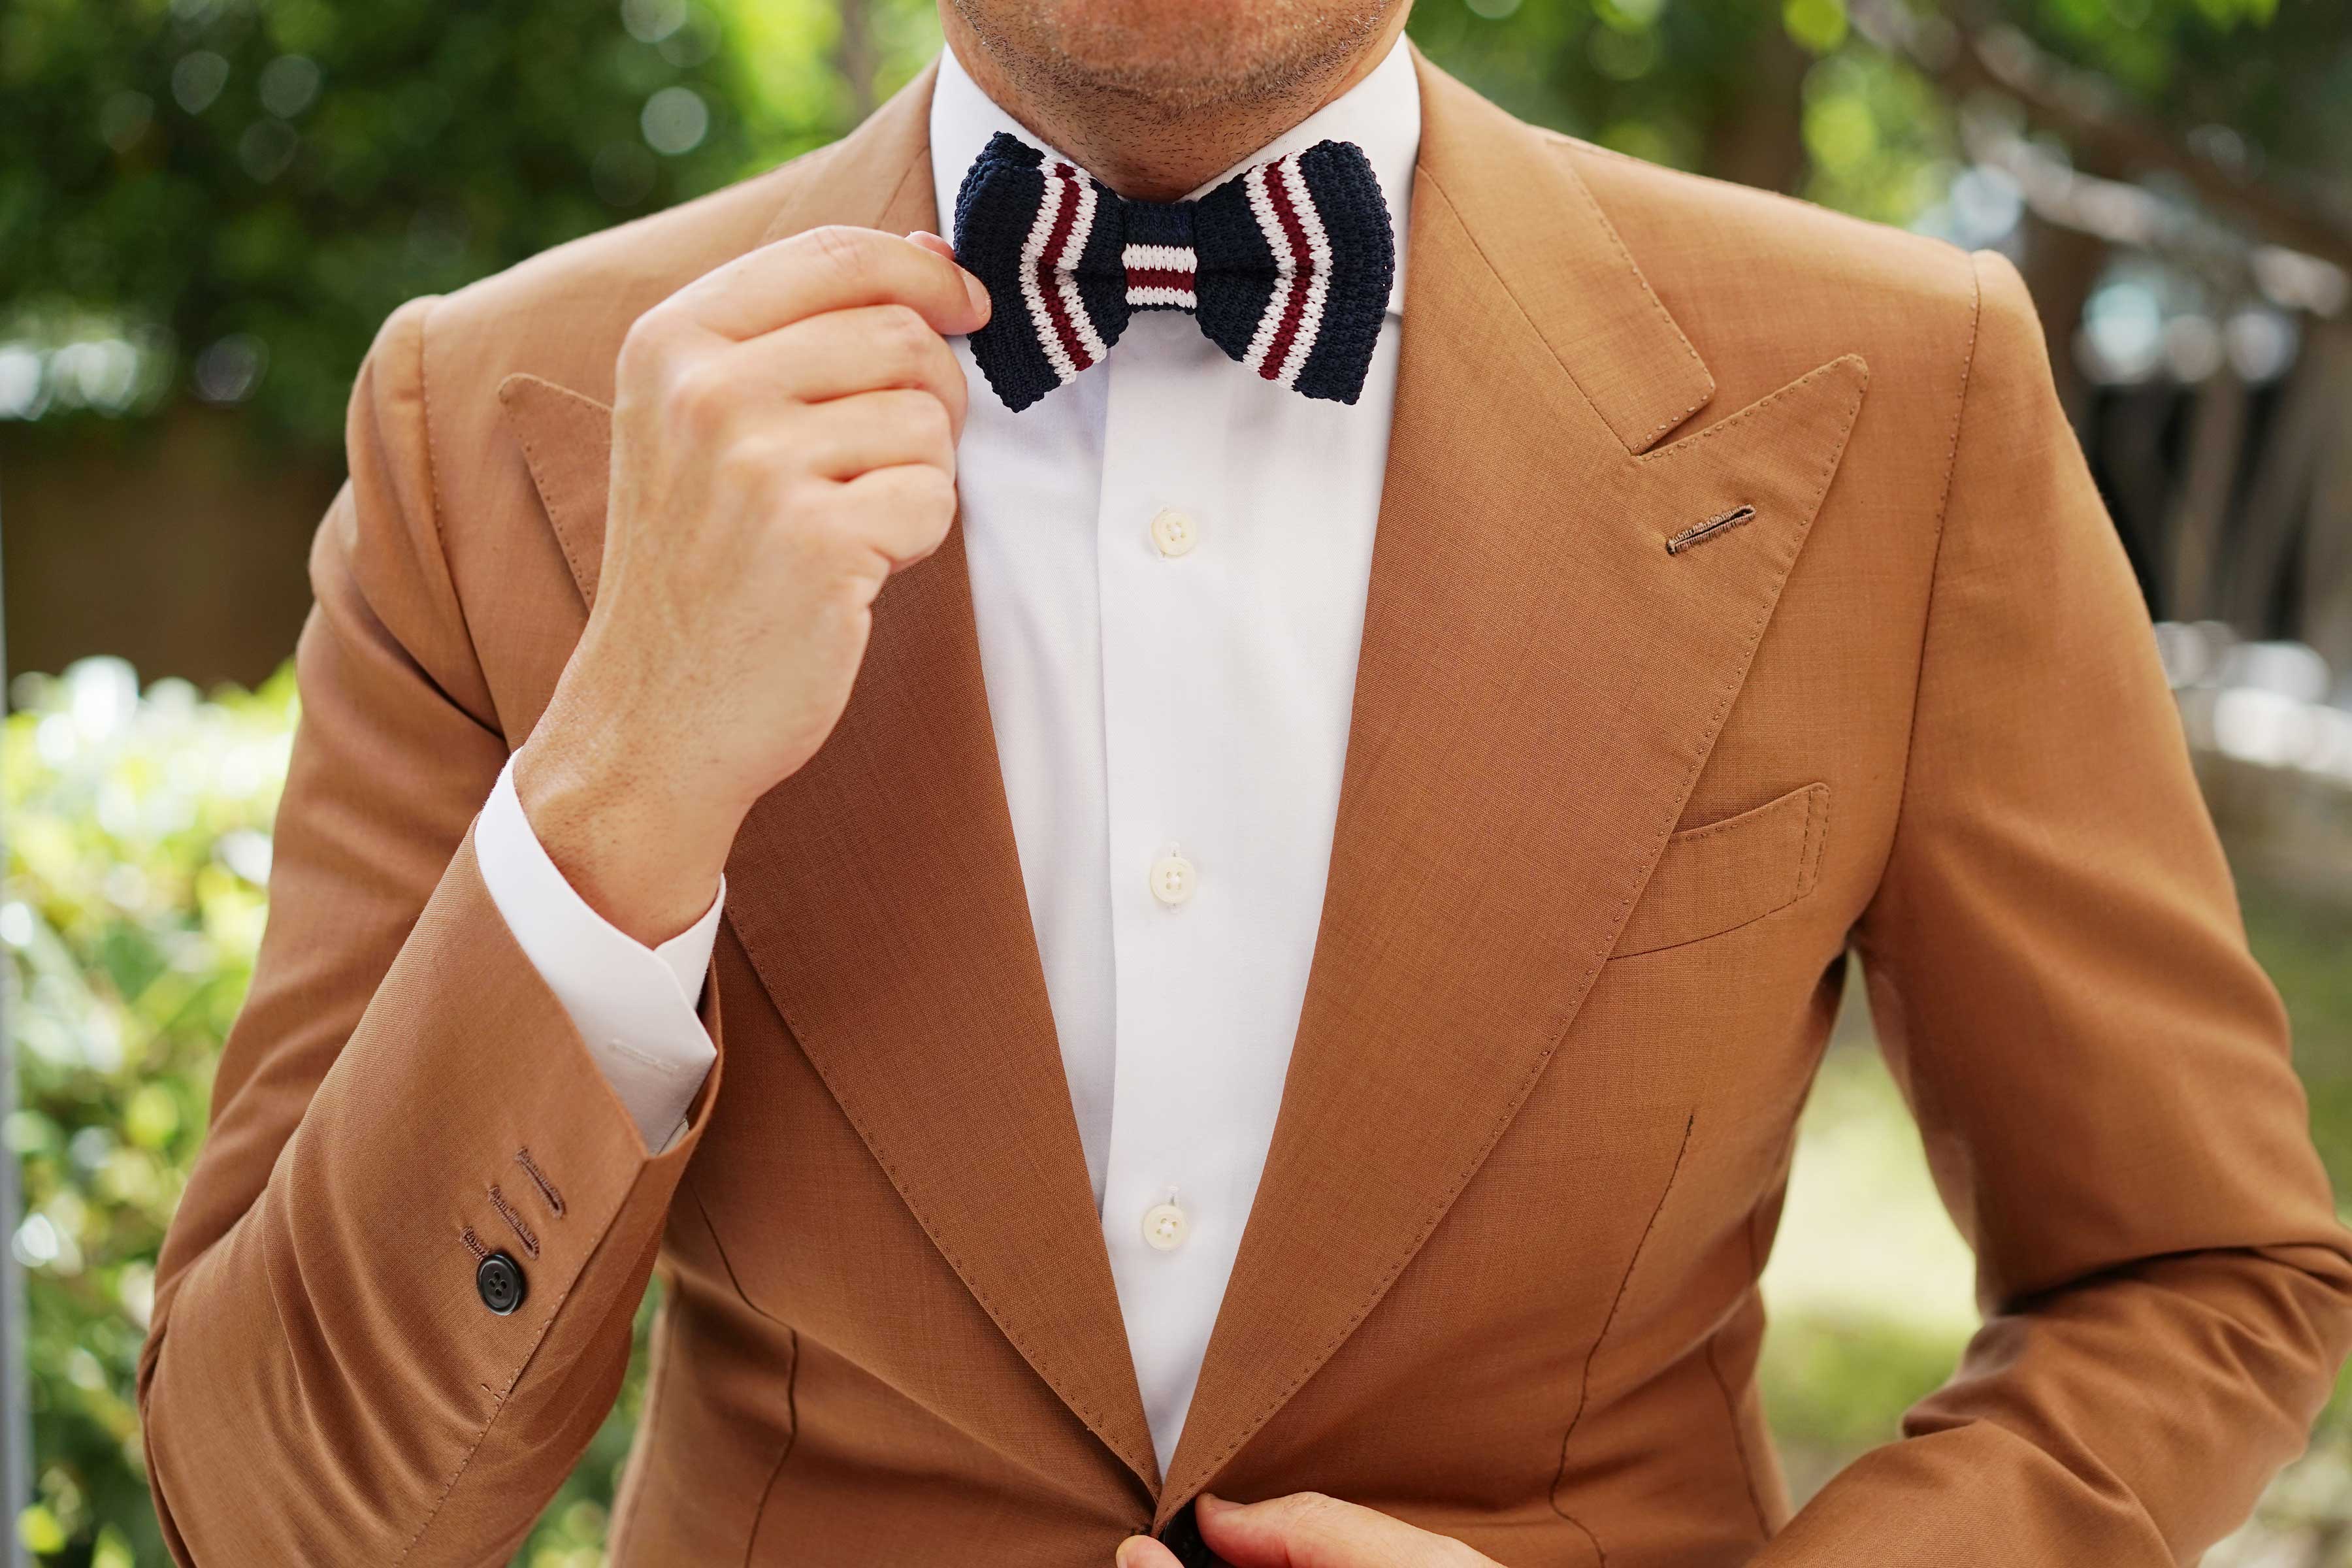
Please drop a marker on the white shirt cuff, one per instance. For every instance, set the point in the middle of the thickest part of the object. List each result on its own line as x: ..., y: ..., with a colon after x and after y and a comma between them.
x: 633, y: 1006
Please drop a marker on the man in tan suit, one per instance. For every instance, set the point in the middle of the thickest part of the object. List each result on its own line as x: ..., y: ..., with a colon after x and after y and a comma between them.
x: 1237, y: 910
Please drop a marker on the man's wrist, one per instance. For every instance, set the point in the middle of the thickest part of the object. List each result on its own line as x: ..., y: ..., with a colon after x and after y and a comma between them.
x: 624, y: 826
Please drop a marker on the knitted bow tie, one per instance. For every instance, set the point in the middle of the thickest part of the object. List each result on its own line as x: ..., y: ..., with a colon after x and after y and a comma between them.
x: 1287, y: 265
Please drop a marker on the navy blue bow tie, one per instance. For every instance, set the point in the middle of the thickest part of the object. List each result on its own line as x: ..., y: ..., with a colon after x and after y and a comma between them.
x: 1287, y: 265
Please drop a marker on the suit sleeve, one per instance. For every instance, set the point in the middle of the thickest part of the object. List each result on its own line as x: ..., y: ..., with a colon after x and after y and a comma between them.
x: 402, y: 1097
x: 2100, y: 1071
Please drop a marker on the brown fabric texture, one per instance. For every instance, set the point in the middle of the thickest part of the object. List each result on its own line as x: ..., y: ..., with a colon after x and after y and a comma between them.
x: 1612, y: 818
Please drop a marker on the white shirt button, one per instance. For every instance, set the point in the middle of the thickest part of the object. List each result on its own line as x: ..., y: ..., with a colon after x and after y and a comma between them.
x: 1175, y: 531
x: 1172, y: 880
x: 1164, y: 1226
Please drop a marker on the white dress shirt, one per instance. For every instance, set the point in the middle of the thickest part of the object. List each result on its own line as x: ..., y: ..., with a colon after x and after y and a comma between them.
x: 1168, y: 560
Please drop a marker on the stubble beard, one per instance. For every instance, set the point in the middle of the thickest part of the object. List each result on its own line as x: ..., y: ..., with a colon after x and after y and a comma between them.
x: 1154, y: 72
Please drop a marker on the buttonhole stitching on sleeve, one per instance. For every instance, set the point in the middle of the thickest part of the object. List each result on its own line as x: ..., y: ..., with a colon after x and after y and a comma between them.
x: 506, y: 1213
x: 539, y: 1178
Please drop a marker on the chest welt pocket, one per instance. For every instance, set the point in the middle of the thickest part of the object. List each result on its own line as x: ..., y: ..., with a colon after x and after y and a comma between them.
x: 1722, y: 875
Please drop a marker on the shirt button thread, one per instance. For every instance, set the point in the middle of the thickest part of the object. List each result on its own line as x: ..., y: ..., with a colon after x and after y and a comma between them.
x: 1172, y: 879
x: 1174, y: 533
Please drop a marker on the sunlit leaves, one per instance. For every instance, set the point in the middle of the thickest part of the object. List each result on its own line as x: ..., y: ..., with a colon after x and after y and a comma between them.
x: 130, y: 916
x: 1877, y: 136
x: 1819, y: 25
x: 280, y: 173
x: 138, y: 859
x: 1710, y: 83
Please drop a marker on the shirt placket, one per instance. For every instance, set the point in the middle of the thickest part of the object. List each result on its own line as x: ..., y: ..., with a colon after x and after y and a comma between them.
x: 1166, y: 1221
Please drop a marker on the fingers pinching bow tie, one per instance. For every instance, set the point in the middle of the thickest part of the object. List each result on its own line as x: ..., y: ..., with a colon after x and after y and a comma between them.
x: 1287, y: 265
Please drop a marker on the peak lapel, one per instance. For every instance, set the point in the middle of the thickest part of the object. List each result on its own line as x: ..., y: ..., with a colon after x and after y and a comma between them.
x: 1540, y: 682
x: 878, y: 893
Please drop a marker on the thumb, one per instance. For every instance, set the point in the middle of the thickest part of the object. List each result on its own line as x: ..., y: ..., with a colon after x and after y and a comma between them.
x: 933, y: 243
x: 1307, y: 1530
x: 924, y: 239
x: 1143, y: 1552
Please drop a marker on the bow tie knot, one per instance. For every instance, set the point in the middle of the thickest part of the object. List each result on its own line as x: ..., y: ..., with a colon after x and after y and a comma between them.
x: 1286, y: 266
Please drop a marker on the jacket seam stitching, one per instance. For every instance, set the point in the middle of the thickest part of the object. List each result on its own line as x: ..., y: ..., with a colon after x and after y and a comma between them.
x: 1739, y: 1440
x: 1817, y: 834
x: 792, y: 1440
x: 727, y: 1265
x: 1733, y: 420
x: 432, y: 456
x: 648, y: 1422
x: 1730, y: 1409
x: 1804, y: 793
x: 1616, y: 240
x: 579, y: 566
x: 1424, y: 176
x: 1936, y: 563
x: 1616, y: 956
x: 434, y: 509
x: 1584, y: 1377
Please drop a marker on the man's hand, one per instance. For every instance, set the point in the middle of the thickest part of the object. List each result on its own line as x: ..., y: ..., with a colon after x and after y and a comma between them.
x: 783, y: 440
x: 1307, y: 1530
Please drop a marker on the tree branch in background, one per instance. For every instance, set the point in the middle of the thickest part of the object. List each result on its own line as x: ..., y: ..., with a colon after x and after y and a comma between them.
x: 855, y: 57
x: 1966, y: 57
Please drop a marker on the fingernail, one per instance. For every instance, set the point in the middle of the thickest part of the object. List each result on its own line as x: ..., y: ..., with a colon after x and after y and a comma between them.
x: 921, y: 234
x: 1131, y: 1551
x: 979, y: 292
x: 1214, y: 1507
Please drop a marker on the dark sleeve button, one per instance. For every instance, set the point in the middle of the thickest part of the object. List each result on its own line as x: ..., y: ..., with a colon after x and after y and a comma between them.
x: 500, y: 1279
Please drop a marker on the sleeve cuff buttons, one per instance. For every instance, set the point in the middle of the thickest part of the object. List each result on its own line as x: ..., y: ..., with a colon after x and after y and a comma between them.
x: 499, y: 1282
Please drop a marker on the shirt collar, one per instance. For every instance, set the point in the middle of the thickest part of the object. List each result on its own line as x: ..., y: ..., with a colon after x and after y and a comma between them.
x: 1380, y: 114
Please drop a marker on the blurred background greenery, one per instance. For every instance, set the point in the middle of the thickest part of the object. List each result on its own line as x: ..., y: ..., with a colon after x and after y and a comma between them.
x: 207, y: 206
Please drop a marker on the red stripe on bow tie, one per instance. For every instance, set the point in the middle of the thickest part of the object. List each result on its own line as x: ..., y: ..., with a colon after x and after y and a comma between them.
x: 1278, y: 193
x: 1048, y: 285
x: 1159, y: 278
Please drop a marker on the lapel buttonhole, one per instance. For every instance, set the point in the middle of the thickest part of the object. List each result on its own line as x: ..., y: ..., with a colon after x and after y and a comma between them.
x: 1698, y: 533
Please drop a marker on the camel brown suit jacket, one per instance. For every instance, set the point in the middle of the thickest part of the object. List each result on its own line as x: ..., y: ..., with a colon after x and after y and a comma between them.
x: 1618, y: 802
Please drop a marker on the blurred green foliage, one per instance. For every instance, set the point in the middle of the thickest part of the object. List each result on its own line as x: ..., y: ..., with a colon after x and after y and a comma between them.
x: 246, y: 188
x: 2305, y: 943
x: 138, y: 832
x: 1798, y: 97
x: 138, y: 850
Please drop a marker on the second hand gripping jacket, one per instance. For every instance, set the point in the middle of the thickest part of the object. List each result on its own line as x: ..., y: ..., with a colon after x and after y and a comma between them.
x: 1611, y: 817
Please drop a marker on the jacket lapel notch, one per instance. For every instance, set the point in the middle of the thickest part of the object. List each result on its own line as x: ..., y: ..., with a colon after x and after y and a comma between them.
x: 1537, y: 224
x: 1540, y: 683
x: 878, y: 893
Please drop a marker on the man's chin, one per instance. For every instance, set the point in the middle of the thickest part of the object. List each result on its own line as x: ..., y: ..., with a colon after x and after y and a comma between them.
x: 1174, y: 57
